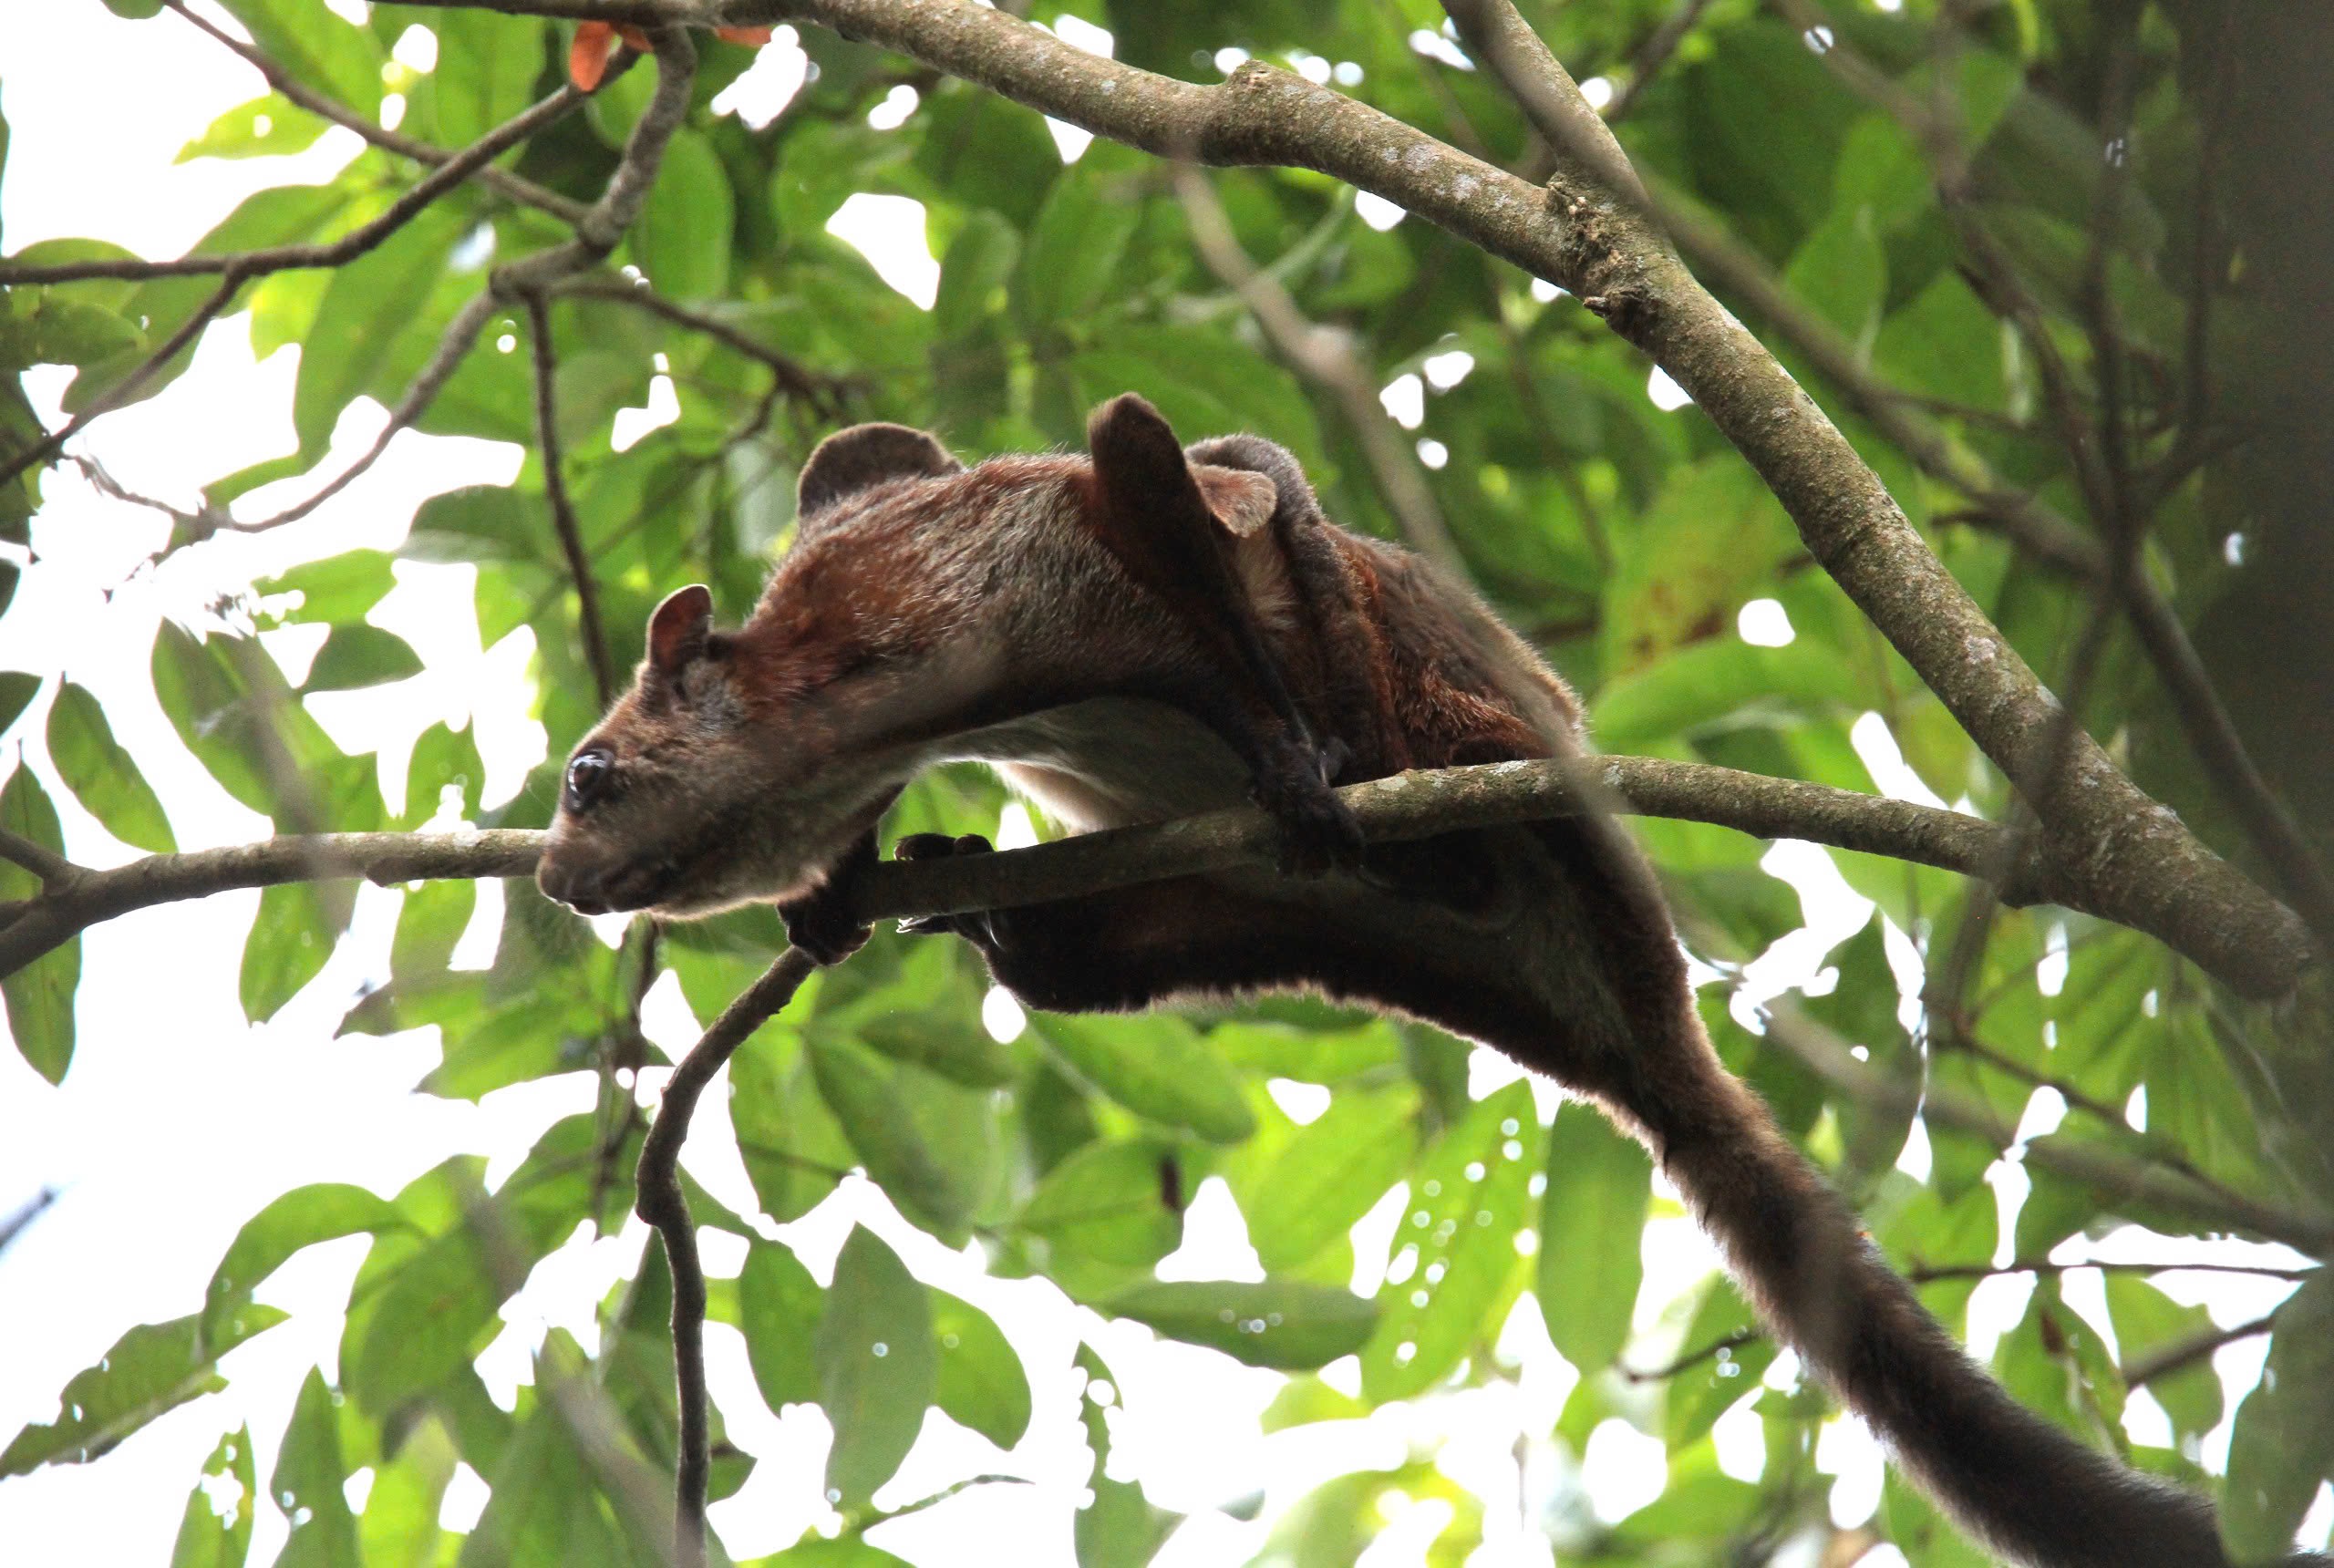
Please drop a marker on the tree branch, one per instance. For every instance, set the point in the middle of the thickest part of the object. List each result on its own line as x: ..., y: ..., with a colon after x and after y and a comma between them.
x: 524, y: 192
x: 114, y: 396
x: 2170, y: 1358
x: 563, y: 506
x: 1405, y: 806
x: 823, y: 393
x: 597, y: 231
x: 1323, y: 356
x: 244, y: 265
x: 661, y: 1202
x: 2110, y: 1171
x: 1599, y: 247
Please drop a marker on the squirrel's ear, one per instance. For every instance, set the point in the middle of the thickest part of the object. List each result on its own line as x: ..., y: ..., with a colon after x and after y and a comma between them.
x: 1242, y: 500
x: 851, y: 460
x: 1139, y: 462
x: 678, y: 628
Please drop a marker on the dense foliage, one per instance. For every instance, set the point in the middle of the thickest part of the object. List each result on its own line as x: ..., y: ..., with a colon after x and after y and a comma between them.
x: 1623, y: 537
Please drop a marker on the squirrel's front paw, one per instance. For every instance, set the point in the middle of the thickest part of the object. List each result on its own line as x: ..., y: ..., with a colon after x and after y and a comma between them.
x: 1318, y: 831
x: 975, y: 927
x: 819, y: 922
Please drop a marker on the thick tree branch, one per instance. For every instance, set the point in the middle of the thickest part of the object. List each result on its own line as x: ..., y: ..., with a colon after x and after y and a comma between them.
x: 2098, y: 455
x: 664, y: 1205
x: 1406, y: 806
x: 1599, y: 247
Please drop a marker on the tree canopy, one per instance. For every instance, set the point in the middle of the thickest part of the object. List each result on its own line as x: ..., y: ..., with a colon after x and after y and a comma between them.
x: 1901, y: 421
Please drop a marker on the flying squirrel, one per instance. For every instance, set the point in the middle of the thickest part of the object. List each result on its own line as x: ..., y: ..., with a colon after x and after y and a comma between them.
x: 1155, y: 631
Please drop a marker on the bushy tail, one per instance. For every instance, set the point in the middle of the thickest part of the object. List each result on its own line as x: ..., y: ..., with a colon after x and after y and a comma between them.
x: 2009, y: 1476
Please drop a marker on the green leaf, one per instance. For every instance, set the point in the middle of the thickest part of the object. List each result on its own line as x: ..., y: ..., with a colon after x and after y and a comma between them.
x: 1330, y: 1174
x: 1719, y: 1364
x: 1862, y: 1008
x: 361, y: 655
x: 102, y: 774
x: 1455, y: 1254
x: 865, y: 1093
x: 318, y: 48
x: 216, y: 1532
x: 980, y: 1383
x: 370, y: 303
x: 300, y: 1217
x: 1592, y: 1224
x: 424, y: 1301
x: 400, y: 1526
x: 1290, y: 1326
x: 779, y: 1307
x: 267, y: 127
x: 1076, y: 244
x: 1841, y: 272
x: 135, y: 10
x: 682, y: 240
x: 486, y: 71
x: 1716, y: 681
x: 339, y: 588
x: 154, y: 1367
x: 1119, y: 1528
x: 1104, y: 1204
x: 52, y: 329
x: 39, y: 995
x: 973, y: 275
x: 875, y: 1355
x: 2283, y: 1442
x: 1157, y: 1064
x: 309, y: 1482
x: 2147, y: 1321
x: 289, y: 941
x: 18, y: 690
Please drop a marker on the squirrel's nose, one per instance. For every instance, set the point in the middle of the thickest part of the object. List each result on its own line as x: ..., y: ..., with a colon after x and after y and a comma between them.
x: 572, y: 885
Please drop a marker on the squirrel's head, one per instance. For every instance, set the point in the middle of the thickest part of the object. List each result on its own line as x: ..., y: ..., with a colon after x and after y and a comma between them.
x: 741, y: 766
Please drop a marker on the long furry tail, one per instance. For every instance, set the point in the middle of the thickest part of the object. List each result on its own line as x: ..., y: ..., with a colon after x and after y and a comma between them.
x: 2029, y: 1489
x: 2014, y: 1479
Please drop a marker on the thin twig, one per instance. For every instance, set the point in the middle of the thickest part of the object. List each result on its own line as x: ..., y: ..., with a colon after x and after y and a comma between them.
x: 1647, y: 62
x: 563, y: 506
x: 453, y: 345
x: 822, y: 392
x: 129, y: 386
x: 244, y: 266
x: 1926, y: 1275
x: 524, y: 192
x: 2170, y: 1358
x: 662, y: 1203
x: 1691, y: 1358
x: 2110, y: 1171
x: 1322, y: 355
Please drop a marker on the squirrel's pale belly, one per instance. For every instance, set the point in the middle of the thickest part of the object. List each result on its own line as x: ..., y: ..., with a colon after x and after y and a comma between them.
x: 1110, y: 762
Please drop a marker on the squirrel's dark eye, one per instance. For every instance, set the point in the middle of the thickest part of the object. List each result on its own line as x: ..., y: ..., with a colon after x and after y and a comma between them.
x: 587, y: 777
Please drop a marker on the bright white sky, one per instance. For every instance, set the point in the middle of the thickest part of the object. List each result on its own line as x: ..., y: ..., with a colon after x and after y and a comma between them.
x: 178, y: 1120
